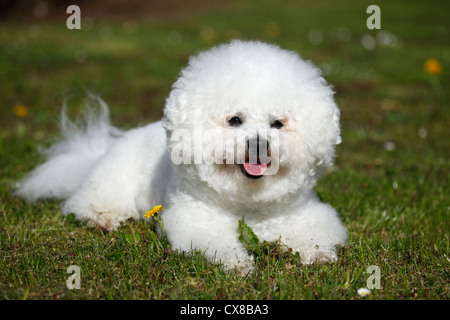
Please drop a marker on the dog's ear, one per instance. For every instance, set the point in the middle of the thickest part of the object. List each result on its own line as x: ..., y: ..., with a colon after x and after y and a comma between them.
x: 173, y: 110
x: 335, y: 130
x: 317, y: 119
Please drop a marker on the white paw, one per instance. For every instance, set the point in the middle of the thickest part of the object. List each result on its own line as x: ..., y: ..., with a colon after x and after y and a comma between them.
x: 105, y: 221
x: 317, y: 255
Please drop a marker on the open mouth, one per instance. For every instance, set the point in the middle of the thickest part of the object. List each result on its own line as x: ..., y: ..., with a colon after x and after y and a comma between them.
x: 258, y: 148
x: 253, y: 171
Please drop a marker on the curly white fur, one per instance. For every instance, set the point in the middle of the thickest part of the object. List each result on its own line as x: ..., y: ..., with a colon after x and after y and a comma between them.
x: 107, y: 176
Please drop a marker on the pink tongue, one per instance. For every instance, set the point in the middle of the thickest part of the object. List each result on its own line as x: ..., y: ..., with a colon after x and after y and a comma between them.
x: 255, y: 169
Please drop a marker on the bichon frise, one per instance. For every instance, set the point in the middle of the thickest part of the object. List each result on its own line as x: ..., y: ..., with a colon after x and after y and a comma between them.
x: 248, y: 128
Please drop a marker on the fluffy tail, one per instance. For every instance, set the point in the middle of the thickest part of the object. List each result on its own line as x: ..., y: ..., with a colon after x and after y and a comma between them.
x: 69, y: 160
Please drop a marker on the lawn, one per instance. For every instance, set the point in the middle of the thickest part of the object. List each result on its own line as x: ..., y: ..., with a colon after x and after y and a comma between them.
x: 389, y: 184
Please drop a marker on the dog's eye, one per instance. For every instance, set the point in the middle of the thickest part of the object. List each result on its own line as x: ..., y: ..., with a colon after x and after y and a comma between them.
x: 235, y: 121
x: 277, y: 124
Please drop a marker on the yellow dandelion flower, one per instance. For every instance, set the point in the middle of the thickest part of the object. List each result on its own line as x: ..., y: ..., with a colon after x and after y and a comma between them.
x: 433, y: 66
x: 153, y: 211
x: 20, y: 111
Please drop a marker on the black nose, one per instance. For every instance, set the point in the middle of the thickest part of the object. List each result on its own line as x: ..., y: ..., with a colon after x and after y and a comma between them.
x: 258, y: 150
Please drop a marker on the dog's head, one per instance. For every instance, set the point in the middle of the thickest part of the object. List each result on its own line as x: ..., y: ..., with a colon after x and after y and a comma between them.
x: 253, y: 122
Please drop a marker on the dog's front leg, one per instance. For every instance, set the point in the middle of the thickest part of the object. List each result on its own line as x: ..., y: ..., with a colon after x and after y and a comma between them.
x: 192, y: 225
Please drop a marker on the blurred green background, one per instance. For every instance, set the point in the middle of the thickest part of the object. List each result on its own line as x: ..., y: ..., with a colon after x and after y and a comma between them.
x: 130, y: 52
x: 390, y: 182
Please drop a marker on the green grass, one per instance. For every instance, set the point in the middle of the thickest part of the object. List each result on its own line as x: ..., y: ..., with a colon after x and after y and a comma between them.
x: 390, y: 183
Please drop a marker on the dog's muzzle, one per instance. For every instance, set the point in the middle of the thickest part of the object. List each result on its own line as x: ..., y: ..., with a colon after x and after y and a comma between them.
x: 257, y: 158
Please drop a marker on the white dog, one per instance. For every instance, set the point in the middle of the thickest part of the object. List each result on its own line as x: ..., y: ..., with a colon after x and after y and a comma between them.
x: 191, y: 162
